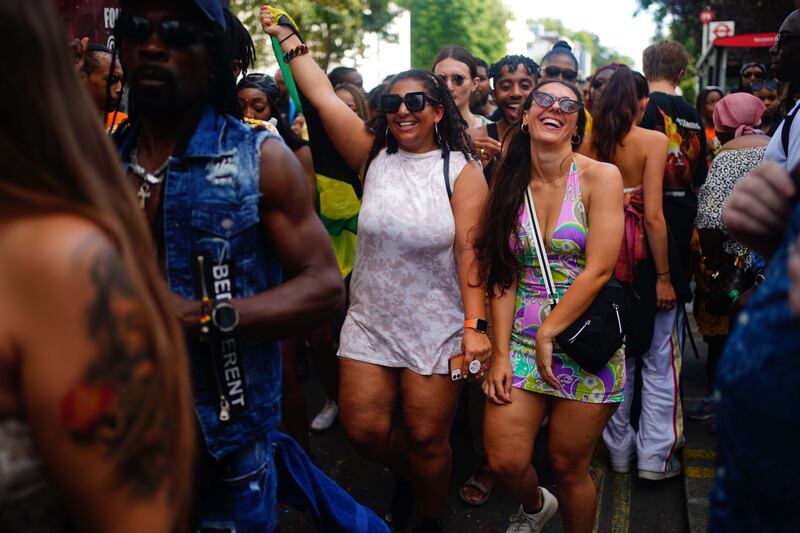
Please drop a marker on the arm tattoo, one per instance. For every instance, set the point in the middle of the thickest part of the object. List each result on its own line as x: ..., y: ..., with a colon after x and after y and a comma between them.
x: 105, y: 408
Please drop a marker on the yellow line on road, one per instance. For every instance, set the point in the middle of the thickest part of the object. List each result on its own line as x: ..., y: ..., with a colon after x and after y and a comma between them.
x: 698, y: 453
x: 600, y: 475
x: 621, y: 500
x: 700, y: 472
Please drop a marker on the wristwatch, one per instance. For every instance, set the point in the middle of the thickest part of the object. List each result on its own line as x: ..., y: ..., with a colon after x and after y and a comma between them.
x: 224, y: 316
x: 478, y: 324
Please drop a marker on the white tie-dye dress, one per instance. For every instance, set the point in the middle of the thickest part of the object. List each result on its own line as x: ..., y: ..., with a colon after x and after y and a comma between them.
x: 405, y: 303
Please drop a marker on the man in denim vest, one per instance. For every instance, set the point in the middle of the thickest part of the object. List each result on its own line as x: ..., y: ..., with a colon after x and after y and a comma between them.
x: 231, y: 218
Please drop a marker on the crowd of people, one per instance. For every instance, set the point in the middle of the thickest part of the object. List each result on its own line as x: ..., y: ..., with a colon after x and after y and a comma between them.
x: 175, y: 231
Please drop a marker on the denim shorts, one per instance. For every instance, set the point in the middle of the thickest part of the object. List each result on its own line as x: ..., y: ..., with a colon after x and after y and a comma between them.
x: 240, y: 491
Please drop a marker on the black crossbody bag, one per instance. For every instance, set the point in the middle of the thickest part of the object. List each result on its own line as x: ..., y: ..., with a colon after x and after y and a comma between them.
x: 600, y: 331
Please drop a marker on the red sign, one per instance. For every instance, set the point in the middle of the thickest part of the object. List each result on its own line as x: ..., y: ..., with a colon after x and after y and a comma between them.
x: 752, y: 40
x: 706, y: 16
x: 94, y: 19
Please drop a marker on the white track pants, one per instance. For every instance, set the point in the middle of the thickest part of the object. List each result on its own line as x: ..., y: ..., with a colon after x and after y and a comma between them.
x: 661, y: 421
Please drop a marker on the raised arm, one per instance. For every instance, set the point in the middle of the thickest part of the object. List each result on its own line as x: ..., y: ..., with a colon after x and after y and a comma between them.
x: 652, y: 186
x: 469, y: 200
x: 87, y: 377
x: 346, y: 130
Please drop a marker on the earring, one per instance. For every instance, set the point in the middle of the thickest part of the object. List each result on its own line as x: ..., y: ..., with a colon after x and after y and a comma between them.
x: 576, y: 139
x: 524, y: 128
x: 436, y: 131
x: 387, y: 133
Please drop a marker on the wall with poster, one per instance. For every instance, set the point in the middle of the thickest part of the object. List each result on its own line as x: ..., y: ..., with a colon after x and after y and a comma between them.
x: 94, y: 19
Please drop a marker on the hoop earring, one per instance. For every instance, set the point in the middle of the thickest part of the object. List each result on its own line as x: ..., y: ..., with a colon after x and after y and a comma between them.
x: 524, y: 128
x: 576, y: 139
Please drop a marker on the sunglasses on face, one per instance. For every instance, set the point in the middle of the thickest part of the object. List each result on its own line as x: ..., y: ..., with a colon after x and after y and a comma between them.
x: 757, y: 74
x: 770, y: 85
x: 566, y: 74
x: 784, y: 38
x: 566, y: 105
x: 415, y: 102
x: 456, y: 79
x: 598, y: 83
x: 174, y: 33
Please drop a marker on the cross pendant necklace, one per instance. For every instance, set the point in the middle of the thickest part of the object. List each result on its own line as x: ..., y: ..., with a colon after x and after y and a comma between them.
x: 148, y: 178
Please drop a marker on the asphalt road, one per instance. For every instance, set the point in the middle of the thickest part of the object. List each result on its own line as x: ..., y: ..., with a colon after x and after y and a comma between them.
x: 626, y: 503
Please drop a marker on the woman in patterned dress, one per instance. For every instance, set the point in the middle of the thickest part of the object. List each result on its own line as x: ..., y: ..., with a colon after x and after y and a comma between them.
x: 529, y: 377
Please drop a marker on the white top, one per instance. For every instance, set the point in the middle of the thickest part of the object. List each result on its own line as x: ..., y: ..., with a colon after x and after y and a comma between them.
x: 405, y: 302
x: 775, y: 147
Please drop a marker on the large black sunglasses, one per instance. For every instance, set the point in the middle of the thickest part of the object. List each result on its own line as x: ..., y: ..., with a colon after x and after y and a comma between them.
x: 566, y: 105
x: 566, y: 74
x: 784, y: 38
x: 770, y: 85
x: 415, y: 102
x: 174, y: 33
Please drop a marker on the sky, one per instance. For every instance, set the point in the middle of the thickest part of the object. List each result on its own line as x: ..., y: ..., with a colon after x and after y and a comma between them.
x: 611, y: 20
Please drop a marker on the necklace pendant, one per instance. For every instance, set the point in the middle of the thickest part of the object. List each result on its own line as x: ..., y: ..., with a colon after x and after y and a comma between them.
x: 143, y: 194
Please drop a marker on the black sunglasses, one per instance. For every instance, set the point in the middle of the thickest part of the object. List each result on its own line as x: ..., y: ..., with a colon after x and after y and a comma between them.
x: 174, y: 33
x: 390, y: 103
x: 597, y: 83
x: 784, y: 38
x: 770, y: 85
x: 566, y: 74
x: 757, y: 74
x: 455, y: 79
x: 566, y: 105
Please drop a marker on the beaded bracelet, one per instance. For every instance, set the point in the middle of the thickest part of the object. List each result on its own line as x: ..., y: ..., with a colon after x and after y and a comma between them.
x: 205, y: 319
x: 299, y: 50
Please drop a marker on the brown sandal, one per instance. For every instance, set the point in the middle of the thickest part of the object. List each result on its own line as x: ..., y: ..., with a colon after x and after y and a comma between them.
x: 484, y: 489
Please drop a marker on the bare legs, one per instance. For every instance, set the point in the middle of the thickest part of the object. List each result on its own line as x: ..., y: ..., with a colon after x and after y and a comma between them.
x: 509, y: 435
x: 418, y: 444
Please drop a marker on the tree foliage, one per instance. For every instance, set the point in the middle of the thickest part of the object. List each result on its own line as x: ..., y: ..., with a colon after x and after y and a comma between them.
x: 477, y: 25
x: 601, y: 55
x: 332, y: 28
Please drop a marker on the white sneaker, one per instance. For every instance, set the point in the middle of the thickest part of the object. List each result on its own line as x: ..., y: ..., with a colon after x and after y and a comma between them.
x: 674, y: 469
x: 326, y: 417
x: 522, y: 522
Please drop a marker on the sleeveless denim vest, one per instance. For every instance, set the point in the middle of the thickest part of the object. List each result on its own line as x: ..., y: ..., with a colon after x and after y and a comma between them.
x: 211, y: 207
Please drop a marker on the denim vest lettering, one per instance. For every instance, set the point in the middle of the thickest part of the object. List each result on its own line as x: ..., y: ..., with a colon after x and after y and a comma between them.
x: 211, y: 207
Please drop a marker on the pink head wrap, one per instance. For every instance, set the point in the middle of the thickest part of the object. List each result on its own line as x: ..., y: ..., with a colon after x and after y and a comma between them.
x: 739, y: 112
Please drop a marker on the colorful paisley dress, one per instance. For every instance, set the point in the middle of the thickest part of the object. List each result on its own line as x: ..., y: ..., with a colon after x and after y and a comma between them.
x: 567, y: 259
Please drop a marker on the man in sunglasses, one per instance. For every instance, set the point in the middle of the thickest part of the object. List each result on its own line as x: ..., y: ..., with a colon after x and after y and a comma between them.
x: 749, y: 73
x: 784, y: 148
x: 231, y: 218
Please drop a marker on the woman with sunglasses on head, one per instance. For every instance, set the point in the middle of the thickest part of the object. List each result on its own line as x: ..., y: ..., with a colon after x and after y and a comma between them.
x: 415, y: 280
x: 459, y: 69
x: 96, y: 425
x: 768, y: 91
x: 643, y: 266
x: 578, y: 203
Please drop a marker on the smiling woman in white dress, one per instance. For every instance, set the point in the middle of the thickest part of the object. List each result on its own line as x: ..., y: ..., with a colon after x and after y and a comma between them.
x: 415, y: 283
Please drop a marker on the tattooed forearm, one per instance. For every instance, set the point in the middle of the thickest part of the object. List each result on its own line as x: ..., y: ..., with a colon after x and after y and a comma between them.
x: 114, y: 405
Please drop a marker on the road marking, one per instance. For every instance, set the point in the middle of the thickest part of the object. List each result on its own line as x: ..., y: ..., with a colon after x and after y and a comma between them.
x: 621, y: 498
x: 700, y: 472
x: 699, y: 453
x: 600, y: 475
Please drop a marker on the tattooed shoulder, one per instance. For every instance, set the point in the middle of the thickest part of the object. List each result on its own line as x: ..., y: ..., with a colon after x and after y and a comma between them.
x: 114, y: 405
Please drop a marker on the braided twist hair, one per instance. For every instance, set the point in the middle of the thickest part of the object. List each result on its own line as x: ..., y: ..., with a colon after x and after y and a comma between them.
x: 452, y: 128
x: 240, y: 42
x: 511, y: 62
